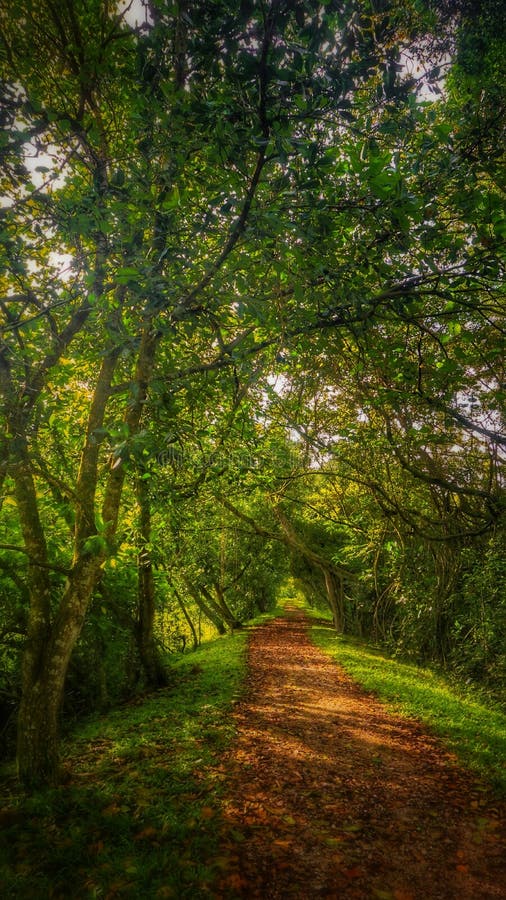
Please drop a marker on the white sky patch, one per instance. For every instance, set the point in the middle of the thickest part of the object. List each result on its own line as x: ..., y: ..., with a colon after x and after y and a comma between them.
x: 44, y: 167
x: 135, y: 13
x: 64, y: 263
x: 426, y: 90
x: 278, y: 383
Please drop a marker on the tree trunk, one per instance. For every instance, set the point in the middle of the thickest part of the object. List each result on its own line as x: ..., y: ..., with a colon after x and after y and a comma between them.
x: 38, y: 716
x: 155, y: 673
x: 209, y: 611
x: 187, y: 616
x: 222, y: 604
x: 261, y: 601
x: 335, y: 599
x: 37, y: 736
x: 218, y: 609
x: 38, y: 719
x: 49, y: 646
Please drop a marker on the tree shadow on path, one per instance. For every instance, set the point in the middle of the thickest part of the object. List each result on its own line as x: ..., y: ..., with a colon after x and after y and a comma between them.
x: 330, y: 795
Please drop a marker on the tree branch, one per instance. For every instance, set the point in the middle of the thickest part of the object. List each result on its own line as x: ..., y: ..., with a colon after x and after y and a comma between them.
x: 35, y: 562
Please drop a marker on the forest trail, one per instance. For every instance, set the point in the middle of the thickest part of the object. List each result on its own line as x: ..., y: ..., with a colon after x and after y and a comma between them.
x: 331, y: 796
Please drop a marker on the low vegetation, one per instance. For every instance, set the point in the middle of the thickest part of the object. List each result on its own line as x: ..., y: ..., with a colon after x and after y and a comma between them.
x: 136, y: 814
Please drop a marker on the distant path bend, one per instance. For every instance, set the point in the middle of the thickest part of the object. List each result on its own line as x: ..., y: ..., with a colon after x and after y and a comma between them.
x: 331, y: 796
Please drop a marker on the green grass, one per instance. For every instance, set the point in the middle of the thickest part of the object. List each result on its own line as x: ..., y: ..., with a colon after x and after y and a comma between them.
x: 473, y: 729
x: 139, y: 813
x: 137, y: 816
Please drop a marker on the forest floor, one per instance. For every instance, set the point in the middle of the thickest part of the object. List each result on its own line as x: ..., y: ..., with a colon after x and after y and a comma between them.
x: 281, y: 778
x: 330, y: 795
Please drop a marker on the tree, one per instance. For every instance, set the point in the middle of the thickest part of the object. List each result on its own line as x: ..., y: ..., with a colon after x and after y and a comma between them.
x: 91, y: 102
x: 184, y: 197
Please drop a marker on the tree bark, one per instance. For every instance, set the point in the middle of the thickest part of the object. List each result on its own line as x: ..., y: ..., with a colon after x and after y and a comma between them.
x: 50, y: 645
x: 231, y: 620
x: 335, y: 599
x: 187, y: 616
x: 209, y: 611
x: 155, y: 674
x: 38, y: 719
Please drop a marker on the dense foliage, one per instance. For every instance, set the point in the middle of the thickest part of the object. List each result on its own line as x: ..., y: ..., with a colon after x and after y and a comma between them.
x: 252, y: 325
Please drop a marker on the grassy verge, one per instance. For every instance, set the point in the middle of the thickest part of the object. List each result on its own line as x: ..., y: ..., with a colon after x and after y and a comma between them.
x: 136, y: 817
x: 473, y: 729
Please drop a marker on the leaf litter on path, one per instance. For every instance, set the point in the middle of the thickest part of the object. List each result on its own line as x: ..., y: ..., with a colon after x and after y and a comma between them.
x: 330, y: 795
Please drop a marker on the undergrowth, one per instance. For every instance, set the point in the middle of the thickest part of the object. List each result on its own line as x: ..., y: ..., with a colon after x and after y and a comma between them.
x: 138, y: 813
x: 136, y: 816
x: 475, y: 730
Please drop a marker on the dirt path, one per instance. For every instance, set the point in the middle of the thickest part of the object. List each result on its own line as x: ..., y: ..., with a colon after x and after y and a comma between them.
x: 331, y: 796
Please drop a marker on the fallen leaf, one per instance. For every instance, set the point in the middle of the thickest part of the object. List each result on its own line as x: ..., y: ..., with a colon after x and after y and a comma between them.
x: 206, y: 812
x: 111, y: 810
x: 95, y: 849
x: 235, y: 881
x: 146, y: 833
x: 355, y: 872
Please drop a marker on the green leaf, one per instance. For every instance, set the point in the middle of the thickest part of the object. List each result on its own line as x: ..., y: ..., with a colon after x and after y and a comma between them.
x: 95, y: 545
x: 127, y: 274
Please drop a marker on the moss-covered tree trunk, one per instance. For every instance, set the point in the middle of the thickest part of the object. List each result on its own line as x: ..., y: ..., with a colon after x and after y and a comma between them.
x: 155, y: 674
x: 44, y: 671
x: 334, y: 589
x: 50, y: 641
x: 187, y: 617
x: 228, y: 616
x: 210, y: 610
